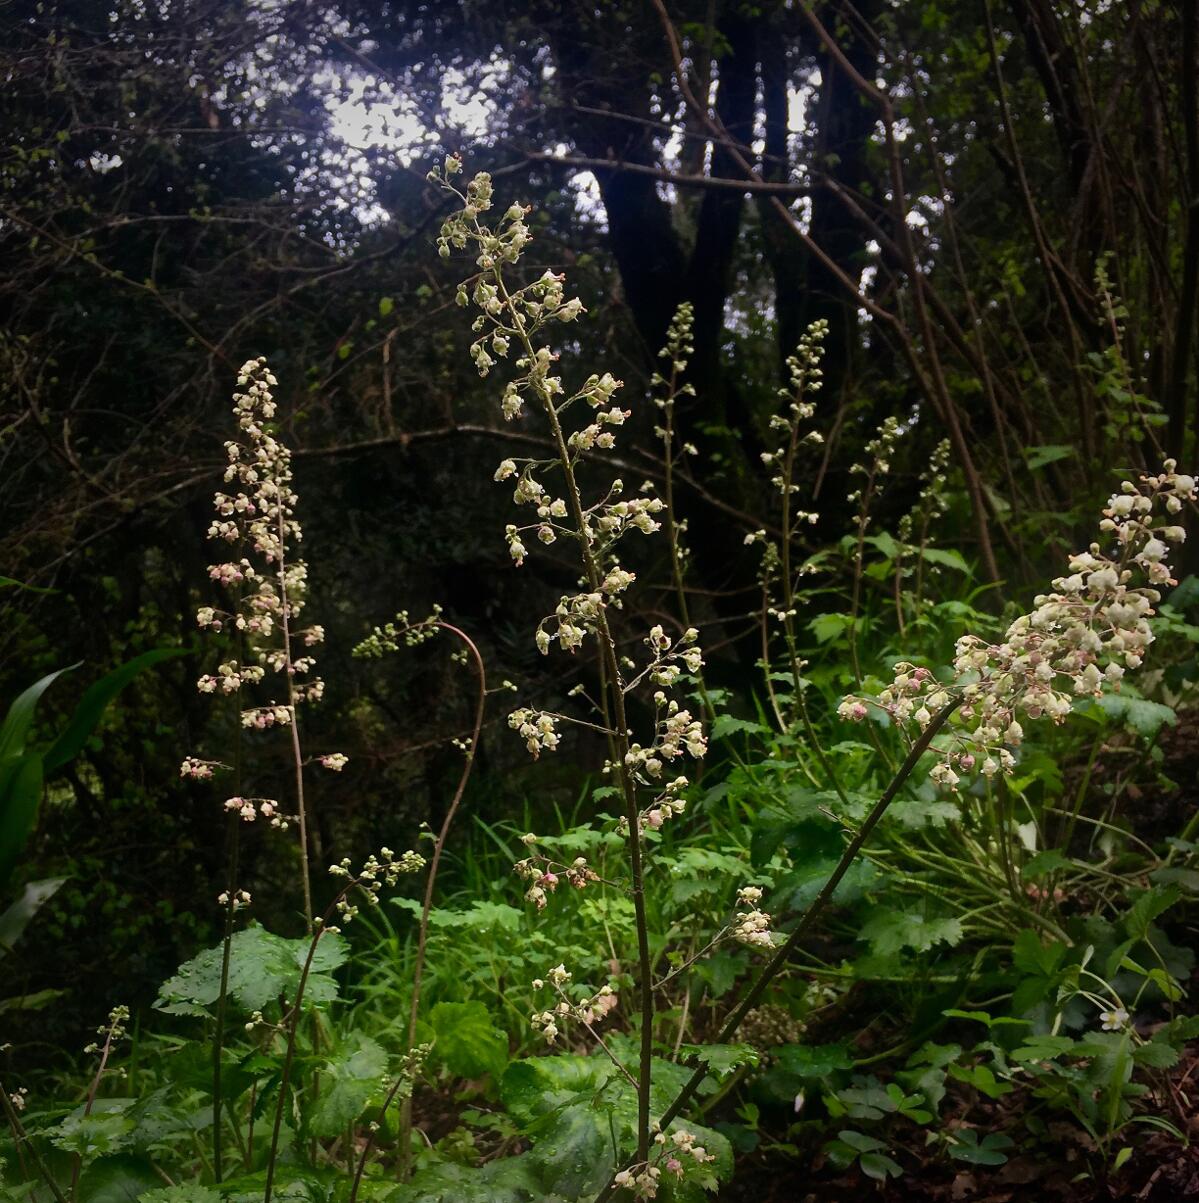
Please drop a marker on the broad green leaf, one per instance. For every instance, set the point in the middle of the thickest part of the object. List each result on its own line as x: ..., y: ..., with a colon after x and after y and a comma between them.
x: 1147, y: 907
x: 725, y: 725
x: 467, y: 1043
x: 1157, y: 1054
x: 860, y: 1142
x: 722, y: 1059
x: 504, y: 1180
x: 181, y: 1194
x: 946, y: 559
x: 348, y: 1082
x: 262, y: 967
x: 885, y: 543
x: 95, y: 701
x: 574, y: 1148
x: 827, y: 627
x: 20, y: 796
x: 15, y: 729
x: 1144, y: 717
x: 121, y: 1179
x: 536, y: 1085
x: 1042, y: 1048
x: 1030, y: 955
x: 989, y: 1151
x: 815, y: 1061
x: 1049, y: 453
x: 90, y: 1136
x: 18, y: 916
x: 889, y: 931
x: 982, y: 1079
x: 878, y: 1166
x: 1048, y: 860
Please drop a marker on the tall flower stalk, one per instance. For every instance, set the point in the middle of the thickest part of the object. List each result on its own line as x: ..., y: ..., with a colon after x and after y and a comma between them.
x: 512, y: 322
x: 264, y: 583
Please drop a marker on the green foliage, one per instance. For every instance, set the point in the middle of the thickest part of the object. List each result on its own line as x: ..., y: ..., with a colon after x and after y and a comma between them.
x: 263, y: 968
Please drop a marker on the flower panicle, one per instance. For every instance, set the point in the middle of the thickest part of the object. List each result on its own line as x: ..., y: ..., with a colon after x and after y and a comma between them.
x: 1079, y: 641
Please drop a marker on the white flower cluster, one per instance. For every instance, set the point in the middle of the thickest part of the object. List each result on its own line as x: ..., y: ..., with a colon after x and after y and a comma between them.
x: 806, y: 378
x: 536, y: 728
x: 250, y: 809
x: 544, y: 876
x: 238, y: 900
x: 259, y: 518
x: 200, y: 770
x: 672, y: 1152
x: 376, y: 872
x: 1079, y: 641
x: 511, y: 321
x: 880, y: 449
x: 752, y: 925
x: 677, y: 731
x: 588, y: 1011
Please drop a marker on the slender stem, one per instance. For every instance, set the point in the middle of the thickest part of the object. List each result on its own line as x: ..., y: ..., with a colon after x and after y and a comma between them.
x: 292, y: 1031
x: 779, y: 960
x: 22, y: 1138
x: 369, y: 1144
x: 615, y: 687
x: 296, y: 750
x: 233, y: 844
x: 77, y: 1161
x: 430, y: 881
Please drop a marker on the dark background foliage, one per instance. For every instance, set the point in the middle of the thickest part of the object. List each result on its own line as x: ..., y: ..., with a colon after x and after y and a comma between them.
x: 992, y: 204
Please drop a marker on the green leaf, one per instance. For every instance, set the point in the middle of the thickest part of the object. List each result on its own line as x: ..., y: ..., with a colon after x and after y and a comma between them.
x: 967, y: 1147
x: 348, y: 1083
x: 15, y: 728
x: 181, y: 1194
x: 814, y: 1061
x: 885, y: 543
x: 1047, y: 861
x: 946, y: 559
x: 504, y: 1180
x: 1144, y: 717
x: 122, y: 1179
x: 90, y: 1136
x: 20, y: 796
x: 1157, y: 1054
x: 1049, y: 453
x: 725, y: 725
x: 1042, y: 1048
x: 1031, y: 956
x: 1147, y: 907
x: 262, y: 967
x: 889, y: 931
x: 95, y: 701
x: 386, y: 305
x: 7, y: 582
x: 18, y: 916
x: 467, y: 1042
x: 859, y: 1142
x: 982, y: 1079
x: 827, y: 627
x: 722, y: 1059
x: 878, y: 1166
